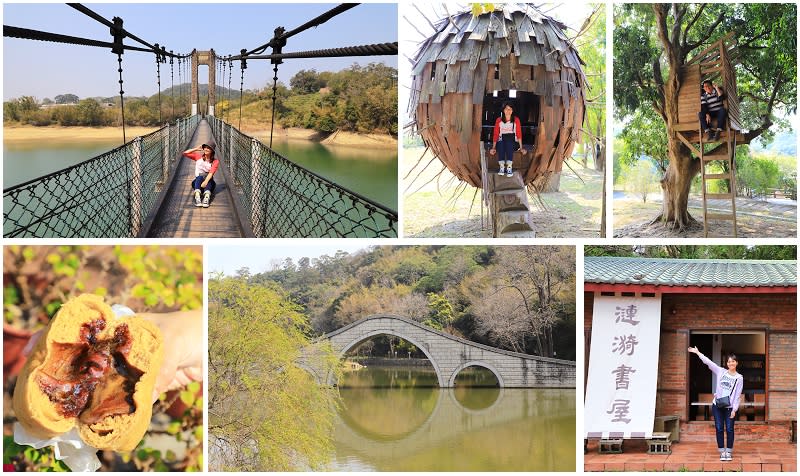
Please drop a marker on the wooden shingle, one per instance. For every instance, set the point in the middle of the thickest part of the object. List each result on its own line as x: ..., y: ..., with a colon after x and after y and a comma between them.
x: 531, y: 53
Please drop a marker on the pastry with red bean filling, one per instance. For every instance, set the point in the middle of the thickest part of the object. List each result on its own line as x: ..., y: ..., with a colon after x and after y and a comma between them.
x: 92, y: 370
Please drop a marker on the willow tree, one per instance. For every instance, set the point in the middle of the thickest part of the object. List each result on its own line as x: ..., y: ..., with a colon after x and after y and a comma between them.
x: 265, y: 412
x: 653, y: 41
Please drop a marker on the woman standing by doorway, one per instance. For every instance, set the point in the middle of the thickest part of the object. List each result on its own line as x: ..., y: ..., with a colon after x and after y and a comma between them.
x: 507, y: 137
x: 726, y: 400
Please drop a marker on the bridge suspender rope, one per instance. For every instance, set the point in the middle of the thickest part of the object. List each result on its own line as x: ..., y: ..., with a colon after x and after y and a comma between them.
x: 119, y: 34
x: 172, y: 86
x: 224, y: 70
x: 158, y: 80
x: 243, y: 66
x: 230, y: 75
x: 278, y: 43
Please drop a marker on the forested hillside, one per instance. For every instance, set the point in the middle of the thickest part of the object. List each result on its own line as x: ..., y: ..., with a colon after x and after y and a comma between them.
x: 358, y: 99
x: 516, y: 298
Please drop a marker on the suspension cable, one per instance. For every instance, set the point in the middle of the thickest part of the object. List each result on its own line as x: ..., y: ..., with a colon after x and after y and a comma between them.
x: 362, y: 50
x: 95, y: 16
x: 310, y: 24
x: 28, y: 34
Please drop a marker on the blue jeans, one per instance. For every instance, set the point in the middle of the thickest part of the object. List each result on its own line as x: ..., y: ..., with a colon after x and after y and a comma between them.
x: 505, y: 148
x: 720, y: 114
x: 198, y: 182
x: 723, y: 424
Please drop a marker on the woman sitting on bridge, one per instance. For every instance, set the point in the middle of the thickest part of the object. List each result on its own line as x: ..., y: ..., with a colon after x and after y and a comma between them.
x: 205, y: 167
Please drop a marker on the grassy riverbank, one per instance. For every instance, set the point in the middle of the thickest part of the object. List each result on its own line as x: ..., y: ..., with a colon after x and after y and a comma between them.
x: 30, y: 134
x: 19, y: 135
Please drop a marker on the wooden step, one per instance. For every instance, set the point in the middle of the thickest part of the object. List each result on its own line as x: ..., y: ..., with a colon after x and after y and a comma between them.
x: 718, y: 176
x: 691, y: 133
x: 724, y: 157
x: 512, y: 220
x: 512, y: 199
x: 518, y: 234
x: 719, y: 196
x: 499, y: 183
x: 720, y: 216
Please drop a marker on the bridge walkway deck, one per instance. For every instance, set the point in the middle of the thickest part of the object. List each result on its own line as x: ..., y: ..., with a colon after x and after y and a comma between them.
x: 178, y: 217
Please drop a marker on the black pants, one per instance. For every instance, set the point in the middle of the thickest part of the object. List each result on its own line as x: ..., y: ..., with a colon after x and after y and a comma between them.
x: 506, y: 147
x: 720, y: 114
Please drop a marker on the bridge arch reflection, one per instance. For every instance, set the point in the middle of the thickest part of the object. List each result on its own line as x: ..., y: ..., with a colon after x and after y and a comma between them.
x: 359, y: 340
x: 476, y: 363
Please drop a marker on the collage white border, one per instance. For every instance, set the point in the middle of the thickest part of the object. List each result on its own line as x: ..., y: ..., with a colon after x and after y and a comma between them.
x: 579, y: 243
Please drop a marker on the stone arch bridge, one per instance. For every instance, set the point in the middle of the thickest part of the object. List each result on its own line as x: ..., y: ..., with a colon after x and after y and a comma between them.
x: 448, y: 354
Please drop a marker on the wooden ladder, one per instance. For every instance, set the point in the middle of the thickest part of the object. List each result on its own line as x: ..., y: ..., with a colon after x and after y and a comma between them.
x: 725, y: 156
x: 507, y: 200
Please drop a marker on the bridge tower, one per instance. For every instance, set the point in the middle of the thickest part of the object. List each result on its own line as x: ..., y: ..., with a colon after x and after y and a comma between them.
x: 208, y: 58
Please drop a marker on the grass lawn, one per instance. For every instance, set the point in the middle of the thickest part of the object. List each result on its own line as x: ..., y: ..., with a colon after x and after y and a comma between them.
x: 437, y: 204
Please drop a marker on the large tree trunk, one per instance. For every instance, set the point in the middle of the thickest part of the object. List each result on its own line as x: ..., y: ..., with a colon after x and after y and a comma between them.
x: 682, y: 168
x: 675, y: 186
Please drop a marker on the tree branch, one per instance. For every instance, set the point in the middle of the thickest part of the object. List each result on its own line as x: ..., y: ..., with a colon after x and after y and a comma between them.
x: 708, y: 34
x: 749, y: 42
x: 679, y: 12
x: 766, y: 119
x: 690, y: 24
x: 657, y: 76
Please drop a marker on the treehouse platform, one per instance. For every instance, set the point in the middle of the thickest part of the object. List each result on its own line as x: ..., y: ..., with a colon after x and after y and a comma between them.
x: 717, y: 157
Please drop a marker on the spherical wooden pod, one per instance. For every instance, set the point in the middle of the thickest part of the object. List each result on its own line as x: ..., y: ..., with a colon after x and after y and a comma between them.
x: 464, y: 73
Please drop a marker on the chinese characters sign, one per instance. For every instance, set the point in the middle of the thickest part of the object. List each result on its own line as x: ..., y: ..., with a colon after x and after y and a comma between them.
x: 623, y: 367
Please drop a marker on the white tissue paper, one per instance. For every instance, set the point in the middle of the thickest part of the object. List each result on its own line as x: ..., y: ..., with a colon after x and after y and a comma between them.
x: 69, y: 447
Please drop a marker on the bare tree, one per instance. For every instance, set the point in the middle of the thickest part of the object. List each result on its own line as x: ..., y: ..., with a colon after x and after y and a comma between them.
x: 520, y: 299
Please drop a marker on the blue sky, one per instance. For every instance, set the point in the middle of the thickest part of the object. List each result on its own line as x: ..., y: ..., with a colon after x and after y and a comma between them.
x: 44, y: 69
x: 260, y: 257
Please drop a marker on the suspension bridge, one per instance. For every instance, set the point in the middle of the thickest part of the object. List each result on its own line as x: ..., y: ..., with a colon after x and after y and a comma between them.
x: 141, y: 189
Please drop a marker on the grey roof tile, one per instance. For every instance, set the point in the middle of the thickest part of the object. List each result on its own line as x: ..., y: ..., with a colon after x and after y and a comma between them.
x: 688, y: 272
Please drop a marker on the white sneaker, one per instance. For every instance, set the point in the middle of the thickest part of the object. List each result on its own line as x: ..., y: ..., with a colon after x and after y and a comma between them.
x: 502, y: 170
x: 509, y: 172
x: 728, y: 456
x: 197, y: 201
x: 206, y: 199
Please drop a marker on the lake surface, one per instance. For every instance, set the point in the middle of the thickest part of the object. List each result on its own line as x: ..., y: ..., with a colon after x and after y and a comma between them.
x: 368, y: 172
x: 397, y: 419
x: 23, y: 162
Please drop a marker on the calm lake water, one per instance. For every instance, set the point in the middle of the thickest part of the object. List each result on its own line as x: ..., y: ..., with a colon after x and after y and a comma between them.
x: 23, y: 162
x: 397, y: 419
x: 368, y: 172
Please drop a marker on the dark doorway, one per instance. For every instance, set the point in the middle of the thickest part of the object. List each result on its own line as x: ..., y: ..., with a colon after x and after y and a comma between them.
x: 526, y: 107
x: 750, y: 350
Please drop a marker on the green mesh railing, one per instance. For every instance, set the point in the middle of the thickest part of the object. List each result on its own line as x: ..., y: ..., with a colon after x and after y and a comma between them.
x: 110, y: 195
x: 283, y: 199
